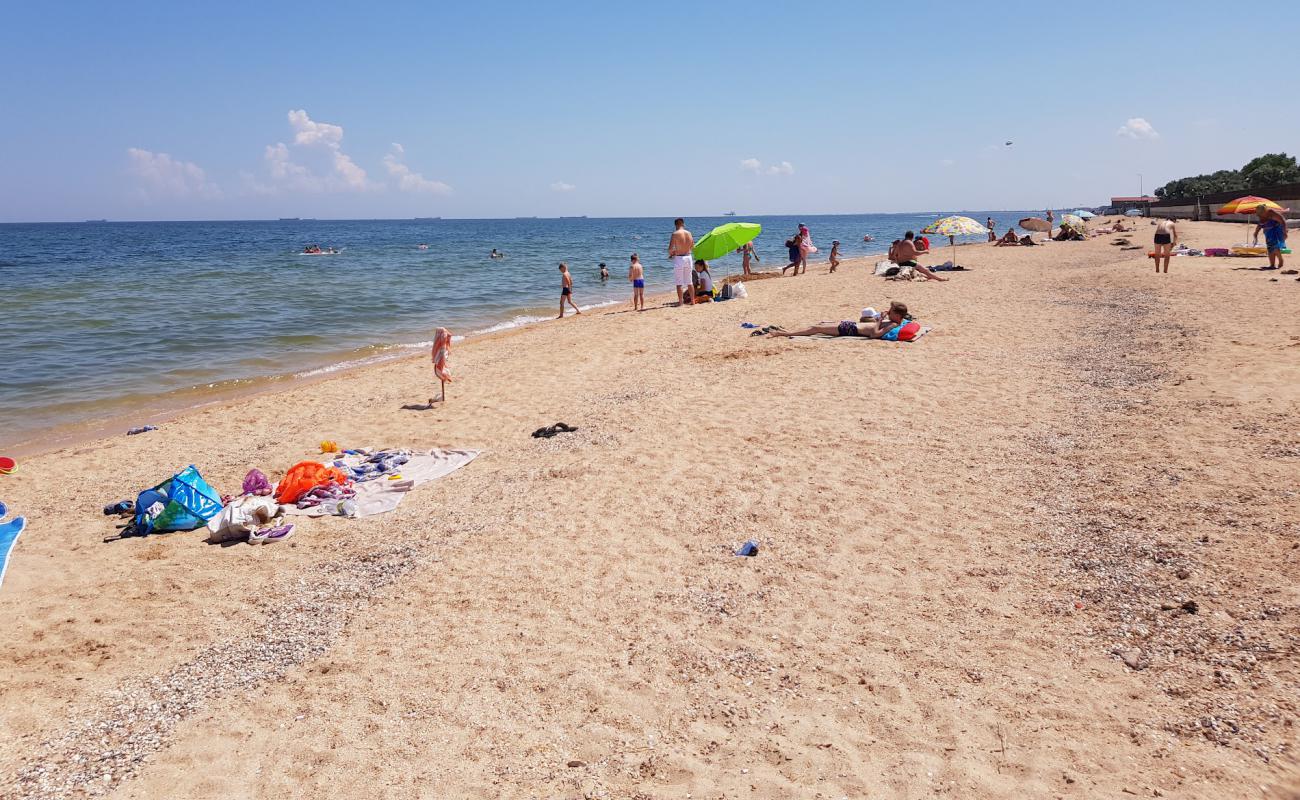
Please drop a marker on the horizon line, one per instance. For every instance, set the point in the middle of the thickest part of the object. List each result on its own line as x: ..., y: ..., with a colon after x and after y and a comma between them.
x: 106, y: 221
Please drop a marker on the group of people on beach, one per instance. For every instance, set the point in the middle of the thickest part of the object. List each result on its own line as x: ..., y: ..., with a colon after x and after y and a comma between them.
x: 694, y: 282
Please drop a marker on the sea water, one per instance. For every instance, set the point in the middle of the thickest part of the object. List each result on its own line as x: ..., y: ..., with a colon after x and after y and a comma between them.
x: 98, y: 319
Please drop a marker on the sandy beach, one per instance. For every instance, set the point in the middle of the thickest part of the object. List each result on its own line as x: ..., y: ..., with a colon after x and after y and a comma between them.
x: 1049, y: 550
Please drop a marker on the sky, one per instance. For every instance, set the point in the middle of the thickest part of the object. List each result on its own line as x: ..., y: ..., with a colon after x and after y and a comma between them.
x: 234, y: 110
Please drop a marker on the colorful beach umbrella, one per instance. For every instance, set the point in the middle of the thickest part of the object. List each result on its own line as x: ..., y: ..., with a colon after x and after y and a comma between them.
x: 1072, y: 222
x: 725, y: 239
x: 1082, y: 214
x: 1246, y: 205
x: 953, y: 227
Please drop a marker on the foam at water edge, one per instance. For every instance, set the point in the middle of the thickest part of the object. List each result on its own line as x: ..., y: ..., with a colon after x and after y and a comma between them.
x: 514, y: 322
x: 518, y: 321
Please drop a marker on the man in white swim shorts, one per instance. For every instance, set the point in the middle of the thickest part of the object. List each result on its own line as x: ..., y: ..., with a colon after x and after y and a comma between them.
x: 680, y: 245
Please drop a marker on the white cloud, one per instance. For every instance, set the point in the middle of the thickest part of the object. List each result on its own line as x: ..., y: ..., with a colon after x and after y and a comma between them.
x: 309, y: 132
x: 947, y: 162
x: 407, y: 180
x: 161, y: 175
x: 755, y: 166
x: 353, y: 177
x: 1137, y: 128
x: 345, y: 174
x: 561, y: 186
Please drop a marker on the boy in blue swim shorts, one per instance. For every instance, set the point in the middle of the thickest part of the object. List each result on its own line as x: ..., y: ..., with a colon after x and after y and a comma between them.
x: 636, y: 274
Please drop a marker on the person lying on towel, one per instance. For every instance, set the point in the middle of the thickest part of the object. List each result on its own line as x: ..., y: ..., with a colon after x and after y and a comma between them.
x: 895, y: 326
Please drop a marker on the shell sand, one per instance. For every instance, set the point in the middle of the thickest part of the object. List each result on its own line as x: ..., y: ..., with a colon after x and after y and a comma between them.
x: 1048, y: 550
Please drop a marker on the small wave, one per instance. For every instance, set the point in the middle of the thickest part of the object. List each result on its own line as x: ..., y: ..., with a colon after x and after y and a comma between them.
x: 514, y: 322
x: 349, y: 364
x: 605, y: 304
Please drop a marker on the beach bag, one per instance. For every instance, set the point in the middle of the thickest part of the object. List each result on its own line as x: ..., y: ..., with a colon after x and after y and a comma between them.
x: 739, y: 291
x: 183, y: 502
x: 909, y: 331
x: 727, y: 292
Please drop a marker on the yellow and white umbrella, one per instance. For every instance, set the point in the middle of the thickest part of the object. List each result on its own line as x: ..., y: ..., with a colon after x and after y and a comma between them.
x: 952, y: 227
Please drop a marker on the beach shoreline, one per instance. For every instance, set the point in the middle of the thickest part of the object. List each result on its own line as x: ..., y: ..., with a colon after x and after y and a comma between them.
x: 977, y: 556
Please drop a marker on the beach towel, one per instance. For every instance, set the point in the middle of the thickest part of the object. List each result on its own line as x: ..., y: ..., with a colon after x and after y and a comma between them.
x: 183, y: 502
x: 8, y: 536
x: 379, y: 496
x: 441, y: 348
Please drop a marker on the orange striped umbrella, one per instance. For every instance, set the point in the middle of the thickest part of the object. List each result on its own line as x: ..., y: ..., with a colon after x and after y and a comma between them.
x: 1246, y: 205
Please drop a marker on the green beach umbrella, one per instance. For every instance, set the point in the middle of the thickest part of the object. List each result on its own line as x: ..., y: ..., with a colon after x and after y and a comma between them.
x: 724, y: 239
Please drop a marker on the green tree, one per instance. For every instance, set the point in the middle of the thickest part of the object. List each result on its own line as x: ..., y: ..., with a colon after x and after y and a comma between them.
x: 1225, y: 180
x: 1271, y: 169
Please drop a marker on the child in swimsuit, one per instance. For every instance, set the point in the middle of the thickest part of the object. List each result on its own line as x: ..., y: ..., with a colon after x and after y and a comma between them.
x: 566, y: 290
x: 636, y: 274
x: 835, y: 254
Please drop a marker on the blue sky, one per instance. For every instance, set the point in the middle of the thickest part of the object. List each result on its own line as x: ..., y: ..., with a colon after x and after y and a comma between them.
x: 242, y: 110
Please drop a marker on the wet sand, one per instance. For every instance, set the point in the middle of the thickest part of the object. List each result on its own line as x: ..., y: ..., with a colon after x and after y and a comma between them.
x: 1048, y: 550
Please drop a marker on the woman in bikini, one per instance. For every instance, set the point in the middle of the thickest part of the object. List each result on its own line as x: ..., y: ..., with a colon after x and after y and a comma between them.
x: 877, y: 329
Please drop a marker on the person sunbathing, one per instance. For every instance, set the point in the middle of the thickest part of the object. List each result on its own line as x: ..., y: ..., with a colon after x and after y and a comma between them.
x: 895, y: 318
x: 1010, y: 240
x: 904, y: 254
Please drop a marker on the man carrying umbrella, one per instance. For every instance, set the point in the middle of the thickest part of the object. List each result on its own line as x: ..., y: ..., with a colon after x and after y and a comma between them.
x: 680, y: 245
x: 1273, y: 222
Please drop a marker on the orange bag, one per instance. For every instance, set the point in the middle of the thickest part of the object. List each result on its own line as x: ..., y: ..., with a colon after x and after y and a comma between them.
x: 305, y: 476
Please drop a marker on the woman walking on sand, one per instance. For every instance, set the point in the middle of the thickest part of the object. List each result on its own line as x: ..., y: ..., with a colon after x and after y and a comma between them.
x: 1166, y: 238
x: 806, y: 248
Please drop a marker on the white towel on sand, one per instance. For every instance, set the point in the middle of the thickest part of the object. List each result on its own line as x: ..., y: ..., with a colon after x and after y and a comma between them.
x: 381, y: 495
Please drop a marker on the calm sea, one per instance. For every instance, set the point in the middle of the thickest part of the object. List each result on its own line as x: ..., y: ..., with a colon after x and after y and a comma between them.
x: 100, y: 319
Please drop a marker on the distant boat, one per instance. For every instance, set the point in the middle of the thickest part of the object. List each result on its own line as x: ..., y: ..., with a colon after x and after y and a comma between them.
x: 289, y: 219
x: 729, y: 214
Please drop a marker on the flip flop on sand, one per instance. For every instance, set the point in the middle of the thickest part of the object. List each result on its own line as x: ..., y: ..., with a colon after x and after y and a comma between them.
x: 271, y: 535
x: 559, y: 427
x: 3, y: 510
